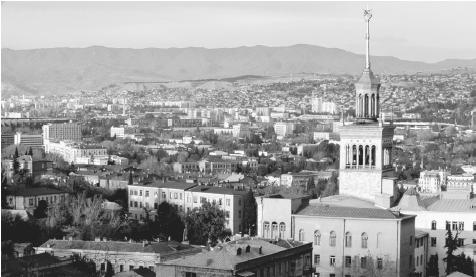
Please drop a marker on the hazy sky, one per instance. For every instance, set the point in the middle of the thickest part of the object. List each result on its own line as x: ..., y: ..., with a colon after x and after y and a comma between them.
x: 424, y: 31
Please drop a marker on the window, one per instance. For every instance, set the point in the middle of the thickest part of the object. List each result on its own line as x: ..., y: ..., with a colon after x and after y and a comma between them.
x: 348, y: 239
x: 131, y: 267
x: 433, y: 225
x: 454, y: 225
x: 460, y: 242
x: 180, y: 196
x: 140, y: 192
x: 364, y: 239
x: 239, y: 215
x: 227, y: 214
x: 317, y: 259
x: 30, y: 201
x: 170, y: 195
x: 363, y: 262
x: 348, y: 261
x: 203, y: 200
x: 227, y: 201
x: 135, y: 204
x: 433, y: 241
x: 156, y: 206
x: 103, y: 266
x: 282, y: 229
x: 379, y: 240
x: 332, y: 260
x: 121, y: 268
x: 239, y: 202
x: 332, y: 239
x: 379, y: 263
x: 146, y: 193
x: 448, y: 225
x: 411, y: 240
x: 195, y: 199
x: 410, y: 261
x: 474, y: 225
x: 461, y: 225
x: 317, y: 237
x: 190, y: 274
x: 175, y: 195
x: 301, y: 235
x: 266, y: 229
x: 140, y: 204
x: 131, y: 204
x: 219, y: 202
x: 164, y: 195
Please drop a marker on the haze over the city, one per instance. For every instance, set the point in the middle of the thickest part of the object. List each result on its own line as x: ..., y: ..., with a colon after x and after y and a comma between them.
x: 401, y: 29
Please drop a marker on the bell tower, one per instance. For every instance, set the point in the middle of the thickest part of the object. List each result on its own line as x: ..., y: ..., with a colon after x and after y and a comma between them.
x: 366, y: 146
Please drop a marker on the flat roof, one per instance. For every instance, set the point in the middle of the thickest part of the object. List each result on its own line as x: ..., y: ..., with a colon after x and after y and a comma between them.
x: 218, y: 190
x: 164, y: 247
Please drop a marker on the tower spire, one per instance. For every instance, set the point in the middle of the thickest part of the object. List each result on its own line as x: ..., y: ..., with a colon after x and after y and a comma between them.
x: 367, y: 17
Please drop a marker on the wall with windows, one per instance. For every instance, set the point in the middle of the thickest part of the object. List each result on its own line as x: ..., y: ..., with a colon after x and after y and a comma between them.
x: 352, y: 246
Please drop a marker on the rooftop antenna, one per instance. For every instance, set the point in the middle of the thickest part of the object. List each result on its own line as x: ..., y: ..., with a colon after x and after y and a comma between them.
x: 367, y: 17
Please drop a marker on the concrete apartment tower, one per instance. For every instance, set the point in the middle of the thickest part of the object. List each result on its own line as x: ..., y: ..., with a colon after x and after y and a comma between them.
x: 365, y: 149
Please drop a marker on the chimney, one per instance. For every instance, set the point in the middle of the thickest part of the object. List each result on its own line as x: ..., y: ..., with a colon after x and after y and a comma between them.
x: 143, y: 243
x: 97, y: 239
x: 260, y: 250
x: 71, y: 238
x: 247, y: 250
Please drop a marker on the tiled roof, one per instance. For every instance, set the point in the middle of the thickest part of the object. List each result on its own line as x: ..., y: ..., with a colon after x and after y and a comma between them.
x: 453, y: 205
x: 225, y: 256
x: 168, y: 184
x: 34, y: 191
x: 325, y: 210
x: 165, y: 247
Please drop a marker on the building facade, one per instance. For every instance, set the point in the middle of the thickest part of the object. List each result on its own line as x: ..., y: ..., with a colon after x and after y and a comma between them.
x: 64, y: 131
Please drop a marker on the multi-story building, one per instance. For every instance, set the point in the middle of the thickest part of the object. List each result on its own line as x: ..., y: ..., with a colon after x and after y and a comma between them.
x: 350, y: 237
x: 62, y: 131
x: 76, y: 153
x: 241, y: 130
x: 318, y: 105
x: 123, y: 255
x: 186, y: 167
x: 436, y: 214
x: 244, y: 257
x: 185, y: 197
x: 283, y: 129
x: 28, y: 198
x: 421, y: 252
x: 432, y: 181
x: 28, y: 140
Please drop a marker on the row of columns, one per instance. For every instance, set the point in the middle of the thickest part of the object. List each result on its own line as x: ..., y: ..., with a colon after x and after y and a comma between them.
x: 360, y: 155
x: 367, y: 106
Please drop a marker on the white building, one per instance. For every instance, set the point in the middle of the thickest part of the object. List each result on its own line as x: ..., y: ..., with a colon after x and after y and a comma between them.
x: 321, y: 106
x: 432, y: 181
x: 241, y: 130
x: 283, y: 129
x: 76, y: 153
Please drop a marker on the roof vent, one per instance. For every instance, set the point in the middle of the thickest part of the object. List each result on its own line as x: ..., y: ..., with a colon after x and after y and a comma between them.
x: 260, y: 250
x: 238, y: 251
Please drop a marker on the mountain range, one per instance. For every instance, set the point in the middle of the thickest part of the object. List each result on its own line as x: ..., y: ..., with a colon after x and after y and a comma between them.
x: 64, y: 70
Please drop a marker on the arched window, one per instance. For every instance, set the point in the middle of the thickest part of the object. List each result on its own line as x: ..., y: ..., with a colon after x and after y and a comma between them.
x: 367, y: 155
x: 282, y: 230
x: 373, y: 155
x: 348, y: 239
x: 433, y: 225
x: 274, y: 230
x: 379, y: 240
x: 301, y: 235
x: 266, y: 229
x: 354, y: 155
x: 317, y: 237
x: 332, y: 239
x: 361, y: 155
x: 364, y: 238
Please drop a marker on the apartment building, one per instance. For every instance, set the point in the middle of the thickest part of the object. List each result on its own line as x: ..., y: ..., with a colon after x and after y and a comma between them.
x: 62, y: 131
x: 185, y: 197
x: 76, y: 153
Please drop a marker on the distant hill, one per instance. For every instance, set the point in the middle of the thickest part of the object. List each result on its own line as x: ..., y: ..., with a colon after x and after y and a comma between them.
x: 62, y: 70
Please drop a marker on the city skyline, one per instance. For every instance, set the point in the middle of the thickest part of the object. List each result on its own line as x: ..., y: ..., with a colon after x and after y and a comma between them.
x: 336, y: 24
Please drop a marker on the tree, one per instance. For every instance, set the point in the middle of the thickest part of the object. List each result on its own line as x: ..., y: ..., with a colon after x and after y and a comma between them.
x: 16, y: 164
x: 30, y: 152
x: 432, y: 267
x: 451, y: 243
x: 249, y: 214
x: 169, y: 222
x: 40, y: 211
x: 206, y: 225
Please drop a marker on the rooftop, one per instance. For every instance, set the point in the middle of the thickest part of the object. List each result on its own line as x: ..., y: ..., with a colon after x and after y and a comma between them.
x: 326, y: 210
x: 217, y: 190
x: 163, y: 248
x: 34, y: 191
x: 168, y: 184
x: 226, y: 257
x: 412, y: 201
